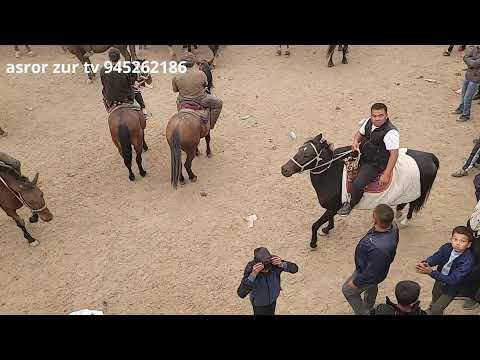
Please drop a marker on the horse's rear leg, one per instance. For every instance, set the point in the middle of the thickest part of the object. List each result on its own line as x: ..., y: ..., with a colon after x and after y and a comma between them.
x: 138, y: 150
x: 207, y: 140
x: 330, y: 61
x: 188, y: 165
x: 327, y: 216
x: 399, y: 213
x: 344, y: 59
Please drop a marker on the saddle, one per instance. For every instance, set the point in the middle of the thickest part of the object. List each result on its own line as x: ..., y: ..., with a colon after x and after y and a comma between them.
x: 122, y: 105
x: 194, y: 108
x: 353, y: 167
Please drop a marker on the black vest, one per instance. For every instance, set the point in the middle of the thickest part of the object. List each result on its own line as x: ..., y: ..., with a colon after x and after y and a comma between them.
x: 372, y: 147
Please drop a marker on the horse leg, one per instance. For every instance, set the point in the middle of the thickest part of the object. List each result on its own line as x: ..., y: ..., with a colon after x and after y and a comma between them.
x: 330, y: 226
x: 126, y: 54
x: 329, y: 214
x: 21, y: 224
x: 83, y: 61
x: 188, y: 165
x: 345, y: 47
x: 340, y: 47
x: 138, y: 150
x: 344, y: 59
x: 207, y: 140
x: 145, y: 146
x: 173, y: 56
x: 399, y: 213
x: 133, y: 52
x: 330, y: 61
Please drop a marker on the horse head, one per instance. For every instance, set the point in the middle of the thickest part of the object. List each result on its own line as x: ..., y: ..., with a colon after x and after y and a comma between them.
x: 311, y: 155
x: 31, y: 196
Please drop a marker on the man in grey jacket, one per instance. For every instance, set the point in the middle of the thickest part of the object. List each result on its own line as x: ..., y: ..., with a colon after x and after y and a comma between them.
x: 470, y: 85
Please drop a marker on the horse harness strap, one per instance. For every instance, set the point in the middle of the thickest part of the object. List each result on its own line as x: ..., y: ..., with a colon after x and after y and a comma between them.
x: 20, y: 198
x: 318, y: 158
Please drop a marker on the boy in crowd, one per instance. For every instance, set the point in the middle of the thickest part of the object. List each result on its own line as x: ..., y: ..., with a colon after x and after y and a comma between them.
x: 407, y: 294
x: 454, y: 261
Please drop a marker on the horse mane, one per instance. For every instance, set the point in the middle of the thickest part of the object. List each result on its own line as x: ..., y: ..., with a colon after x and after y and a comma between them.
x: 23, y: 180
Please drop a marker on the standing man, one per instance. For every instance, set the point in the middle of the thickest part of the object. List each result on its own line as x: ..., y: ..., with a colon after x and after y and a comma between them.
x: 261, y: 280
x: 373, y: 256
x: 471, y: 83
x: 192, y: 85
x: 378, y: 141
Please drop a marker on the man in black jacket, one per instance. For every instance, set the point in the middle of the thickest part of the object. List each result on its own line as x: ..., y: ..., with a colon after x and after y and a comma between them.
x: 261, y: 280
x: 407, y: 294
x: 373, y: 256
x: 117, y: 85
x: 378, y: 141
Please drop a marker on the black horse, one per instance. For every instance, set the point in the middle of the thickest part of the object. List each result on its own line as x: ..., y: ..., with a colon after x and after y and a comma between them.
x: 331, y: 50
x: 326, y: 171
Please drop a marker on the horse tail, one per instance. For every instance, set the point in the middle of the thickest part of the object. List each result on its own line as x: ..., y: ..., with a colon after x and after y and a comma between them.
x: 428, y: 164
x: 331, y: 50
x: 124, y: 138
x: 176, y: 158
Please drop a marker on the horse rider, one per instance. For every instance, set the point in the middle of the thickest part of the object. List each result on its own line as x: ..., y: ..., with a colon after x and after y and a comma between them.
x: 117, y: 85
x: 192, y: 86
x: 8, y: 161
x: 378, y: 141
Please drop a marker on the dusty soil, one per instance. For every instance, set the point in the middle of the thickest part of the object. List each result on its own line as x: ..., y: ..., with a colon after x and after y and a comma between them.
x: 141, y: 248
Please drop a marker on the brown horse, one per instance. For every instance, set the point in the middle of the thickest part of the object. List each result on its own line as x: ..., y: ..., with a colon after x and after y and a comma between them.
x: 17, y: 191
x: 184, y: 131
x: 80, y: 50
x: 127, y: 127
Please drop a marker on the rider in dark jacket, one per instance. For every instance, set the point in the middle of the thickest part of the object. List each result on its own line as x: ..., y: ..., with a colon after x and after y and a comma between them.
x: 117, y: 85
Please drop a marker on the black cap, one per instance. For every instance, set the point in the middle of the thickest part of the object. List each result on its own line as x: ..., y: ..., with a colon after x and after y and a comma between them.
x: 407, y: 292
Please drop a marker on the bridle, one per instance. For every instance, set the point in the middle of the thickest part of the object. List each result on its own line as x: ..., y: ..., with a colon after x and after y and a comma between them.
x: 21, y: 199
x: 318, y: 158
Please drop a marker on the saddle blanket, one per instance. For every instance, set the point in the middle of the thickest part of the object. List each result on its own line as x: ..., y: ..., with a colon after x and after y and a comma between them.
x: 404, y: 186
x: 201, y: 114
x: 124, y: 106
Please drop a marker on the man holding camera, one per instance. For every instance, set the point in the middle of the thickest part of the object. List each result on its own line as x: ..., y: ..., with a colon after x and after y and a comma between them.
x: 261, y: 280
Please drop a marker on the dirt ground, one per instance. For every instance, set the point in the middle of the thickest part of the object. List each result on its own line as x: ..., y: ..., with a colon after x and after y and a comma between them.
x: 141, y: 248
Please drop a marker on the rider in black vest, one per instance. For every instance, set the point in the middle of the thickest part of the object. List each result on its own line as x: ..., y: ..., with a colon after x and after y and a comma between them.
x: 117, y: 85
x: 379, y: 153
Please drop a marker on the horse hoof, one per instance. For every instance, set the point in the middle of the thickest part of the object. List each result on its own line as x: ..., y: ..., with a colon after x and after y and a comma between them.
x: 313, y: 247
x: 89, y: 81
x: 131, y: 177
x: 330, y: 65
x: 33, y: 219
x: 34, y: 243
x: 287, y: 53
x: 209, y: 155
x: 446, y: 53
x: 193, y: 179
x: 143, y: 173
x: 344, y: 62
